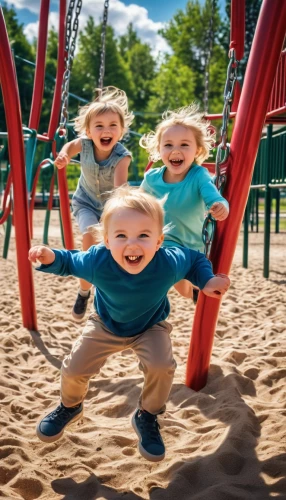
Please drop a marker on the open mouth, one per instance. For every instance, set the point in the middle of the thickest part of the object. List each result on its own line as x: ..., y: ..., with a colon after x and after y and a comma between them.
x: 133, y: 260
x: 105, y: 141
x: 176, y: 163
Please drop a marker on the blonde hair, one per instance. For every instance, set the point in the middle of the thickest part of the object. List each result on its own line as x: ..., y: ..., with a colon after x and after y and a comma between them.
x: 108, y: 99
x: 135, y: 198
x: 188, y: 117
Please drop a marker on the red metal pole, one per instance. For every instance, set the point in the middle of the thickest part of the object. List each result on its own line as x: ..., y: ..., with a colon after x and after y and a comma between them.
x: 56, y: 106
x: 237, y: 27
x: 16, y: 156
x: 54, y: 120
x: 259, y: 78
x: 39, y: 79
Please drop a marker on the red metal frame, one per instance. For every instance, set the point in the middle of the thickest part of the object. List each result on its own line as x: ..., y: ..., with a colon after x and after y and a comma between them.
x: 17, y: 161
x: 250, y: 118
x: 7, y: 204
x: 54, y: 120
x: 277, y: 101
x: 39, y: 80
x: 56, y: 106
x: 33, y: 192
x: 237, y: 30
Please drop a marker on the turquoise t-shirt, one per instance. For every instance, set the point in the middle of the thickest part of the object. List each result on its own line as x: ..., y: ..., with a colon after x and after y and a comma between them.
x: 186, y: 204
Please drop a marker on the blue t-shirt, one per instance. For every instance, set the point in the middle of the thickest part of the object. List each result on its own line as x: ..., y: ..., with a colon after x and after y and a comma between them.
x: 124, y: 301
x: 186, y: 204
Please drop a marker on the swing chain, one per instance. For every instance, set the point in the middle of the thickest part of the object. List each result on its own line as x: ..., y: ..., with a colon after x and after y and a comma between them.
x: 231, y: 79
x: 223, y: 149
x: 70, y: 43
x: 103, y: 39
x: 210, y: 35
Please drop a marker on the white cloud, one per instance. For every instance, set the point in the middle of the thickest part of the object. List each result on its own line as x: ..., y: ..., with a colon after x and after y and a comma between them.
x: 22, y: 4
x: 119, y: 16
x: 31, y: 30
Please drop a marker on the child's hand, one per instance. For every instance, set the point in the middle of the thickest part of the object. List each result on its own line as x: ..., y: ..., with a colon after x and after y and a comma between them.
x: 43, y: 254
x: 219, y: 211
x: 217, y: 286
x: 62, y: 160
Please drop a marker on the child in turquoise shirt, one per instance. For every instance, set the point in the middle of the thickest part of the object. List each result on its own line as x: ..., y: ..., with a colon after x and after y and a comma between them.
x: 183, y: 141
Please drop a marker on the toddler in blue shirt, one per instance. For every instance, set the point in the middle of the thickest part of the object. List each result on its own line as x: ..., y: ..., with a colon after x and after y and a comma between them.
x: 126, y: 314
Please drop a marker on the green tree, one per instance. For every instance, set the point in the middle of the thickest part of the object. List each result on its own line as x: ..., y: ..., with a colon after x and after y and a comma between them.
x: 173, y: 87
x: 186, y: 34
x: 127, y: 41
x: 141, y: 65
x: 87, y: 62
x: 22, y: 50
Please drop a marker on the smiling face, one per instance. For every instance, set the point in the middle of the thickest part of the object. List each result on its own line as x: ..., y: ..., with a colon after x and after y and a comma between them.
x: 178, y: 149
x: 133, y: 238
x: 104, y: 130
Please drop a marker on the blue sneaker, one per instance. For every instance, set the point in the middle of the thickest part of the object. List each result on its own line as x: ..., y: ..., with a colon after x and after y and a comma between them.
x: 80, y: 306
x: 51, y: 427
x: 151, y: 444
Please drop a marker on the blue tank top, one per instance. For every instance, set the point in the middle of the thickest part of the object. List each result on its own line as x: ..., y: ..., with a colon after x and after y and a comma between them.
x: 97, y: 178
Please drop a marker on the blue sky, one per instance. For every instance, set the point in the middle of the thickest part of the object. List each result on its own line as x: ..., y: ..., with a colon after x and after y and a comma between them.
x: 147, y: 16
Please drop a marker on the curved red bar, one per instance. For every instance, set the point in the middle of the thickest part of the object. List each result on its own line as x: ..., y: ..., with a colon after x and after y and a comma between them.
x: 7, y: 207
x: 16, y: 156
x: 39, y: 80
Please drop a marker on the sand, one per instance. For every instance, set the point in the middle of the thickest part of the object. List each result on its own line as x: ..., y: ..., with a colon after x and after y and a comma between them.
x: 226, y: 442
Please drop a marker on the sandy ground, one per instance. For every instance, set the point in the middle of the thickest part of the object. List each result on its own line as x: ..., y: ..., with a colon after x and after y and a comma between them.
x: 226, y: 442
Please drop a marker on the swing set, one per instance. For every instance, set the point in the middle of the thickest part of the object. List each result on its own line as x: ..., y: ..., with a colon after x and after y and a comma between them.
x: 262, y: 100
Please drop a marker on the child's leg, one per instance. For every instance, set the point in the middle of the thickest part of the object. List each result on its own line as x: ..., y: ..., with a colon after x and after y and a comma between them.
x: 185, y: 288
x: 88, y: 355
x: 154, y: 350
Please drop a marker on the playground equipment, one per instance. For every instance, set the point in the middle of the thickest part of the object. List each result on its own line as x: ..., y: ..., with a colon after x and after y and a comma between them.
x: 269, y: 179
x: 21, y: 186
x: 237, y: 163
x: 250, y: 118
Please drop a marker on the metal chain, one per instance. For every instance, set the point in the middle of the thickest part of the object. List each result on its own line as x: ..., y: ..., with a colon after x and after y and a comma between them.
x: 103, y: 39
x: 208, y: 56
x: 223, y: 149
x: 71, y: 35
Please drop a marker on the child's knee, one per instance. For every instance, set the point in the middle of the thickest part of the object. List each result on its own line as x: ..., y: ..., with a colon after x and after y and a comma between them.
x: 165, y: 366
x: 71, y: 368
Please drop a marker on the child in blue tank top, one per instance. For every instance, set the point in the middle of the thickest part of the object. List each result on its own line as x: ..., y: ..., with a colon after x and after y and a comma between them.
x: 183, y: 141
x: 104, y: 166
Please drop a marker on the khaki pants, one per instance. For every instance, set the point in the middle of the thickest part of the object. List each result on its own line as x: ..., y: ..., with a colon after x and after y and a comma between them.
x: 153, y: 348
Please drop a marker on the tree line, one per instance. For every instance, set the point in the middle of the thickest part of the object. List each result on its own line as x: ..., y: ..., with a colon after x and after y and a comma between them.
x: 198, y: 37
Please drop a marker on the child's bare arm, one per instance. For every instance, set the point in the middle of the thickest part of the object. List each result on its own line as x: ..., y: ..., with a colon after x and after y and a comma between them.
x: 219, y: 211
x: 69, y: 150
x: 42, y: 254
x: 217, y: 286
x: 121, y: 171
